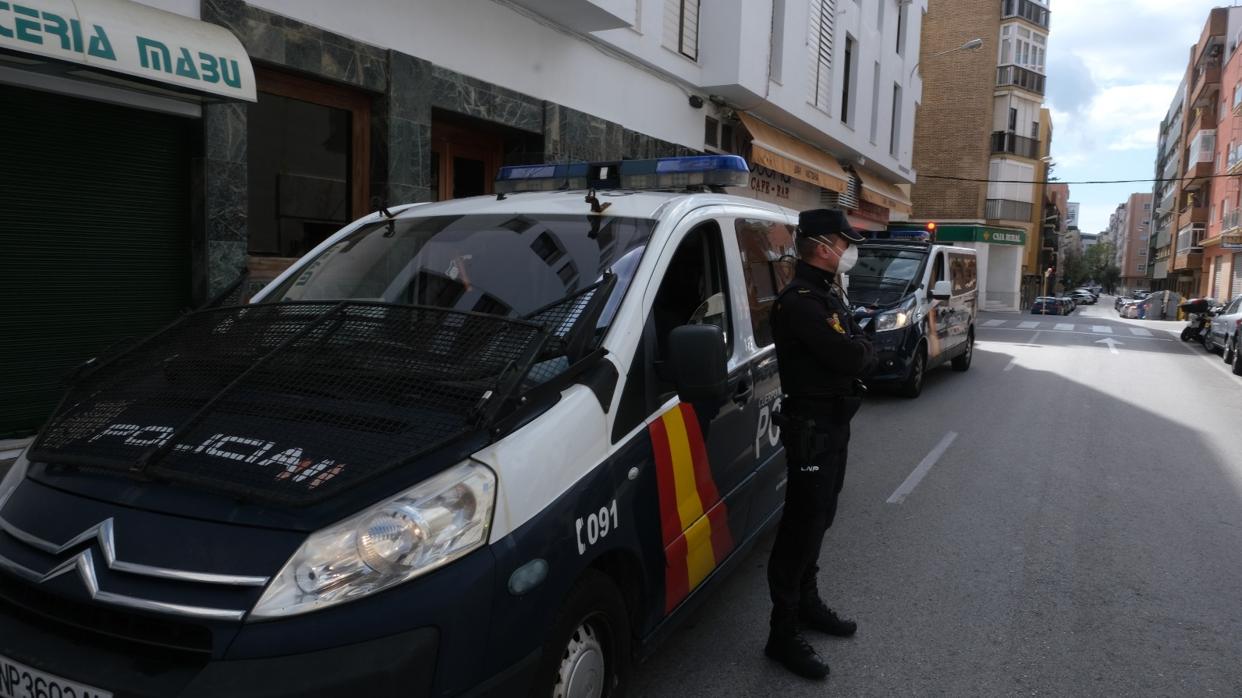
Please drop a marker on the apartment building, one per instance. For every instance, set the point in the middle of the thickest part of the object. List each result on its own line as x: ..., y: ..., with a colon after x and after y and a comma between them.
x: 1130, y: 226
x: 1221, y: 275
x: 1198, y: 192
x: 1036, y: 255
x: 990, y: 102
x: 1166, y: 191
x: 259, y: 127
x: 1057, y: 207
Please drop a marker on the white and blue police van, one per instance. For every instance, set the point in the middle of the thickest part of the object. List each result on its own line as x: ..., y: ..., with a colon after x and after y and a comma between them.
x: 922, y: 299
x: 497, y: 445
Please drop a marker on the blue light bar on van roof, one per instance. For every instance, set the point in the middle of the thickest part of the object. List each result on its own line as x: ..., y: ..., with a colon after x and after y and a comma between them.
x: 662, y: 173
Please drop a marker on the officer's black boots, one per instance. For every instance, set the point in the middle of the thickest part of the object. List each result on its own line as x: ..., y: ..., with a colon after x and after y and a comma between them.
x: 787, y: 646
x: 817, y: 616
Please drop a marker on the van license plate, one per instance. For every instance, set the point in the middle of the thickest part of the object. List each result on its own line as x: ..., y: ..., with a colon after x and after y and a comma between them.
x: 20, y: 681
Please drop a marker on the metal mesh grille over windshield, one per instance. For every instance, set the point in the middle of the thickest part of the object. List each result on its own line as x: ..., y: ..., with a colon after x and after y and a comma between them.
x: 291, y: 402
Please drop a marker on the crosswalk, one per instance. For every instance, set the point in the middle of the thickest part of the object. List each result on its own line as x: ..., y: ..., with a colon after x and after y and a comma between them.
x: 1104, y: 330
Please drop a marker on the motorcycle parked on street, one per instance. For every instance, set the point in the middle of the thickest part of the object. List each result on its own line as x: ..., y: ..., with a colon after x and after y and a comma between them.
x: 1199, y: 313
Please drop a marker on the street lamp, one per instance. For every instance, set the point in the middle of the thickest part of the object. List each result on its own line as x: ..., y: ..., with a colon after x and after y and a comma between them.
x: 972, y: 45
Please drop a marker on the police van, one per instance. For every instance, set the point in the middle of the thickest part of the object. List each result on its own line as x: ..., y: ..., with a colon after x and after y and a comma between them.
x: 497, y: 445
x: 922, y: 298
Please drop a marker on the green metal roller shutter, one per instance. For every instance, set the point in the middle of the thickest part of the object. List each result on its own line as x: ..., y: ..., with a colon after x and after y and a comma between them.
x: 94, y: 238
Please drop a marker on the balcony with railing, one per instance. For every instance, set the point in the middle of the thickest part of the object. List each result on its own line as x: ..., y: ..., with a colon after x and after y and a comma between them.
x: 1189, y: 254
x: 1007, y: 210
x: 1233, y: 160
x: 1203, y: 118
x: 1191, y: 215
x: 1206, y: 82
x: 1018, y: 76
x: 1008, y: 142
x: 1201, y: 159
x: 1168, y: 202
x: 1232, y: 222
x: 1032, y: 12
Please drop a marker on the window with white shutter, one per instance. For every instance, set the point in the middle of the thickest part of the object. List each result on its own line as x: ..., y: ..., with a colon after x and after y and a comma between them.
x: 681, y: 27
x: 819, y: 44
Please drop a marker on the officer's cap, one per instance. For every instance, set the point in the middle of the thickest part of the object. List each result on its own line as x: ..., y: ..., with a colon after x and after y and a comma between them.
x: 822, y: 222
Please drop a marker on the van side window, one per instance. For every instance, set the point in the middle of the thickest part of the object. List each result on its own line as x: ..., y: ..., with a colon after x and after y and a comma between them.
x: 693, y: 291
x: 937, y: 271
x: 768, y: 264
x: 695, y: 288
x: 963, y: 271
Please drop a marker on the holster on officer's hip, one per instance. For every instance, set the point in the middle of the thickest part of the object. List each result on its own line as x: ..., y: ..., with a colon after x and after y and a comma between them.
x: 797, y: 435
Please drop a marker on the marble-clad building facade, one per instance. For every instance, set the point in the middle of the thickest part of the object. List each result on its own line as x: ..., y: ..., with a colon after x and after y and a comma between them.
x: 405, y: 90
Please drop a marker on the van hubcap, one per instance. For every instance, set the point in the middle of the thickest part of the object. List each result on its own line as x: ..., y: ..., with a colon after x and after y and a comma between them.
x: 582, y: 670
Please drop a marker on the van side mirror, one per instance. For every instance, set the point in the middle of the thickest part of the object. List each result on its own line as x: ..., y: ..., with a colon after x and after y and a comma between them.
x: 699, y: 363
x: 943, y: 290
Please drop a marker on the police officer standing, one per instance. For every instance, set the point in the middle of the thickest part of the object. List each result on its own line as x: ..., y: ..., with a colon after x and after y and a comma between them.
x: 822, y: 354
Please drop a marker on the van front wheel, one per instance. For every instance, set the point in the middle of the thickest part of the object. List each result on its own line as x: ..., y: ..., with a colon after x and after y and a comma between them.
x: 587, y: 654
x: 912, y: 386
x: 962, y: 361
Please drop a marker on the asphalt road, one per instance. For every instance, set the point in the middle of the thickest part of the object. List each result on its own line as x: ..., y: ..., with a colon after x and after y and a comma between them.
x: 1080, y: 536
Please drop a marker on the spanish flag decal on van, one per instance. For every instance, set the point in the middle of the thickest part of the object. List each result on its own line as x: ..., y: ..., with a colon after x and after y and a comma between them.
x: 693, y: 519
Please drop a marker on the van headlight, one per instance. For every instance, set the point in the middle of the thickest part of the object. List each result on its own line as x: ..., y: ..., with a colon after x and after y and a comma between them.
x: 896, y: 318
x: 419, y: 530
x: 13, y: 478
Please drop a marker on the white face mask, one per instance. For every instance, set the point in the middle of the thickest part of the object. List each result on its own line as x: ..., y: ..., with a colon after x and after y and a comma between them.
x: 847, y: 260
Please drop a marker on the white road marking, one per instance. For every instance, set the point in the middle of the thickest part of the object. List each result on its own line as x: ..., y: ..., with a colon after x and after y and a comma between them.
x: 1112, y: 344
x: 1064, y: 327
x: 1027, y: 325
x: 1089, y: 334
x: 1101, y: 329
x: 920, y: 471
x: 994, y: 323
x: 1139, y: 332
x: 1009, y: 366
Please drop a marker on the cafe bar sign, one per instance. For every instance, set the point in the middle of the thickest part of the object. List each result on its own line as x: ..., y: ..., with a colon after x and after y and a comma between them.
x: 120, y: 36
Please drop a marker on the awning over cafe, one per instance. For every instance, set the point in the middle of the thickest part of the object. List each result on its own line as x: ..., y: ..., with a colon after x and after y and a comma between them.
x: 125, y: 38
x: 881, y: 193
x: 781, y: 152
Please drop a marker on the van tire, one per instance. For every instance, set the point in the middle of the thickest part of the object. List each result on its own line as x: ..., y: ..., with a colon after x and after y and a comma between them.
x: 1237, y: 354
x: 591, y: 634
x: 962, y: 361
x: 912, y: 386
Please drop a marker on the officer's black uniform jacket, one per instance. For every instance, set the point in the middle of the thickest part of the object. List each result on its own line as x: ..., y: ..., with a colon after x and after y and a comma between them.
x: 820, y: 349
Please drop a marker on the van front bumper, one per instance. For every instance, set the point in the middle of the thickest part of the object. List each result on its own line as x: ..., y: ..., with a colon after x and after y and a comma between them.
x: 894, y: 351
x: 404, y: 664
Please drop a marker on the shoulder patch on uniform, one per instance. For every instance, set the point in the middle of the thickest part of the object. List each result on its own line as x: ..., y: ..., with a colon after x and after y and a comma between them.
x: 835, y: 322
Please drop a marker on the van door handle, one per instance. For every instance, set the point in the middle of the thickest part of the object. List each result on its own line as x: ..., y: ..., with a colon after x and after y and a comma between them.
x: 744, y: 390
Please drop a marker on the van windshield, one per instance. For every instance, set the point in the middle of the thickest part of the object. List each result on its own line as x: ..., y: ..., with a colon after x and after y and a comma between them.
x: 507, y: 265
x: 884, y: 275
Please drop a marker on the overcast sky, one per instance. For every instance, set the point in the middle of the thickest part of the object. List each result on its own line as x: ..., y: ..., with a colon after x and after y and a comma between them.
x: 1113, y: 66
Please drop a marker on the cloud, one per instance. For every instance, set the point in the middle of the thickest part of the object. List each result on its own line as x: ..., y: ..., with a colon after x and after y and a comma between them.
x: 1113, y: 67
x: 1073, y: 87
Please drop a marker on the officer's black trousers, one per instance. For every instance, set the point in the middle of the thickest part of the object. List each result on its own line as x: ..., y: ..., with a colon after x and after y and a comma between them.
x: 810, y: 507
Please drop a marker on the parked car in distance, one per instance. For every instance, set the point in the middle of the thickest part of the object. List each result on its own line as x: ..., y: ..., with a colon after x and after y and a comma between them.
x: 1082, y: 297
x: 1047, y: 305
x: 1068, y: 304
